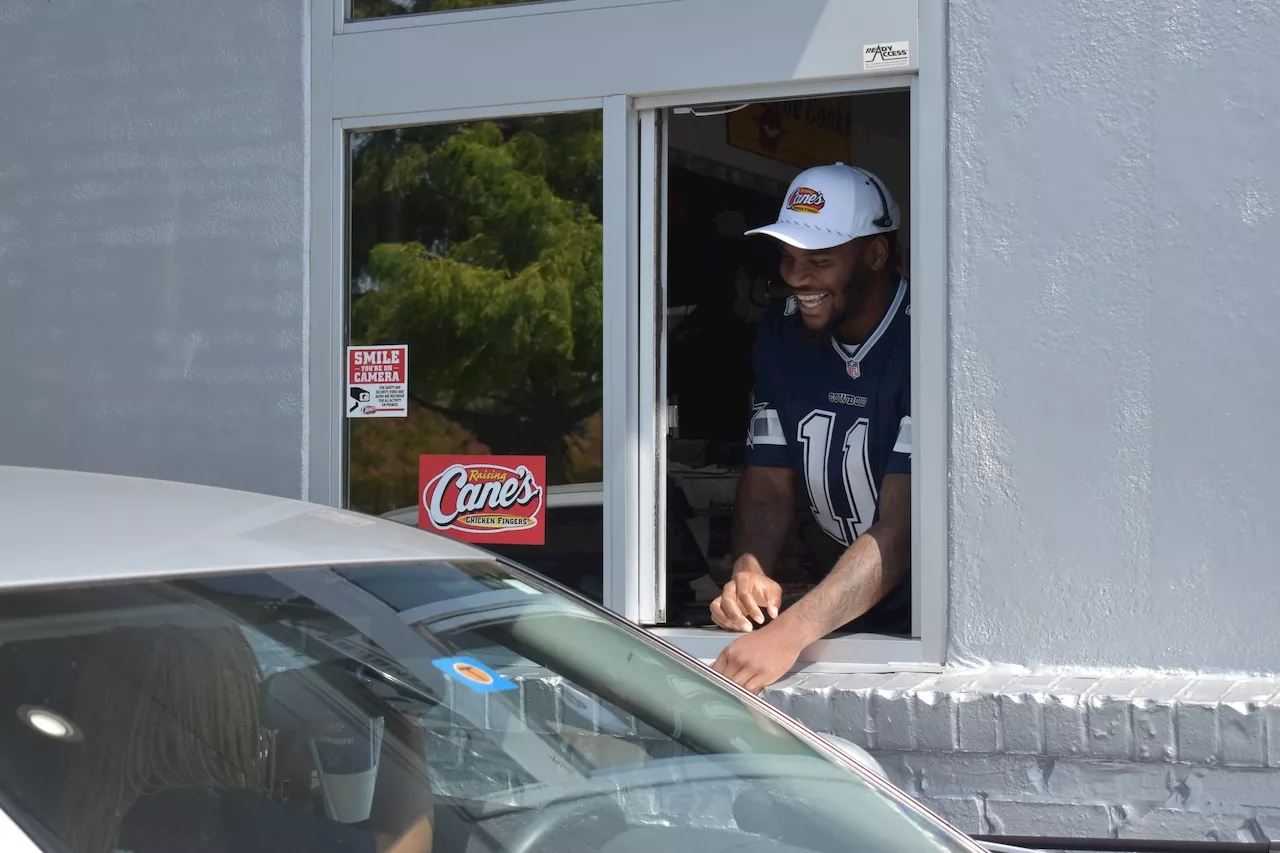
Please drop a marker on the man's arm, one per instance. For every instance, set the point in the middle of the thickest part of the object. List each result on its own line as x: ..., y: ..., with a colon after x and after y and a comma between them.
x: 871, y: 567
x: 866, y: 572
x: 764, y: 507
x: 766, y: 494
x: 763, y: 512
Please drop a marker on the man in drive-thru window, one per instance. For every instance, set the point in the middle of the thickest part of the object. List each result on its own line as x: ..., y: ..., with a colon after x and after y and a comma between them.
x: 831, y: 423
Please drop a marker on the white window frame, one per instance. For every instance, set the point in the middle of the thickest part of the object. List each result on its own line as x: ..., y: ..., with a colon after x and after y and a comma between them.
x: 858, y: 652
x: 766, y: 49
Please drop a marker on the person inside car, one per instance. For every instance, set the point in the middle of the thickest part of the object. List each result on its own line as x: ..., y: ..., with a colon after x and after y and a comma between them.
x: 174, y: 755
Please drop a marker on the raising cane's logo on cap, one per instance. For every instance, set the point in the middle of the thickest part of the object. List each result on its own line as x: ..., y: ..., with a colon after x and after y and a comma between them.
x: 806, y: 200
x: 483, y: 498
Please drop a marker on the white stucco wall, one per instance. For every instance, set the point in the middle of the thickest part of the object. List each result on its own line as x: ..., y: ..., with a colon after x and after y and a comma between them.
x: 152, y: 239
x: 1113, y: 192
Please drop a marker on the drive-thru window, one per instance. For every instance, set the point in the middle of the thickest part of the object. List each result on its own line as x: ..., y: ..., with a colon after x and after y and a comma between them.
x: 545, y: 202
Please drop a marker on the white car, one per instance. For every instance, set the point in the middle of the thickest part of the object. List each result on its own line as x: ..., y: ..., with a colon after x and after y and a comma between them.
x: 192, y: 669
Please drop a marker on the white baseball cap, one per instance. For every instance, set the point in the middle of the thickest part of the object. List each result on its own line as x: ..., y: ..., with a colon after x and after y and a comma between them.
x: 827, y: 206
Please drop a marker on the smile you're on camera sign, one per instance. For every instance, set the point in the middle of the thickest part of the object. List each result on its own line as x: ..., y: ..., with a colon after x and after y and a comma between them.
x: 378, y: 382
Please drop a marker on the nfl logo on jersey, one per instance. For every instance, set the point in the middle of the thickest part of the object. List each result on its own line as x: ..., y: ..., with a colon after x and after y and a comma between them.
x: 852, y: 368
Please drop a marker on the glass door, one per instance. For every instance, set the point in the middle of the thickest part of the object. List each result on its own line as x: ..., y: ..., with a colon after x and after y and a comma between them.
x: 479, y: 246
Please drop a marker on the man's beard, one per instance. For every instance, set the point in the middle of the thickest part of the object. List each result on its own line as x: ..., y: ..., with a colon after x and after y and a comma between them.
x: 856, y: 290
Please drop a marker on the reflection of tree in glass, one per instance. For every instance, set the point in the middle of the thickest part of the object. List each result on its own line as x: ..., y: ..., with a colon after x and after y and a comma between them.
x: 384, y: 456
x: 384, y: 8
x: 480, y: 247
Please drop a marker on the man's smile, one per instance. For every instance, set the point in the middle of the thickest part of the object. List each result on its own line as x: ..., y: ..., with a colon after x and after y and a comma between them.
x: 811, y: 303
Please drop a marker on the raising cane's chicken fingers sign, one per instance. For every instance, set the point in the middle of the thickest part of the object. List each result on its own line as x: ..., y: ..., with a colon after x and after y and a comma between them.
x: 485, y: 499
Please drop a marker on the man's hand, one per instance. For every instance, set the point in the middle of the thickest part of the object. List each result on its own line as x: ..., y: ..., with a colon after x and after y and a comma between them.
x: 764, y: 508
x: 758, y: 659
x: 746, y: 599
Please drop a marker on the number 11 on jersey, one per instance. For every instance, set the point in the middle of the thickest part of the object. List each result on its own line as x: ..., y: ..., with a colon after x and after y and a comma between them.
x: 855, y: 475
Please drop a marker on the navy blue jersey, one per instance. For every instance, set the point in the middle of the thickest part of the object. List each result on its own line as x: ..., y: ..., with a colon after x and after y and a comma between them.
x: 839, y: 416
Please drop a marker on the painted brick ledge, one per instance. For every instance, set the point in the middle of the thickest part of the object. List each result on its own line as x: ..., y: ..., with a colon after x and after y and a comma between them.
x: 1121, y: 755
x: 1145, y: 718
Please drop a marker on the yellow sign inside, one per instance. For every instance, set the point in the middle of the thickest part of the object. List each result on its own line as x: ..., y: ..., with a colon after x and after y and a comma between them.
x: 802, y: 132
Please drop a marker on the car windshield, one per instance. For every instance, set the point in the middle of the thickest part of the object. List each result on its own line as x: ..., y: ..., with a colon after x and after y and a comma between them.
x: 446, y: 706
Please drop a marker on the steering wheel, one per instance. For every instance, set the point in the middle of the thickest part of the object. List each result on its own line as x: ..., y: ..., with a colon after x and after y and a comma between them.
x: 557, y: 816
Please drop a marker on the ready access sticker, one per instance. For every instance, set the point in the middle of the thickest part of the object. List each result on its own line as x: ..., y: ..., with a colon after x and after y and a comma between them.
x: 378, y: 382
x: 486, y: 499
x: 892, y: 54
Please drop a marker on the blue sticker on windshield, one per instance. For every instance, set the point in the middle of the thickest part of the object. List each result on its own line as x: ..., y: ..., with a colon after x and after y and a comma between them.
x: 469, y: 672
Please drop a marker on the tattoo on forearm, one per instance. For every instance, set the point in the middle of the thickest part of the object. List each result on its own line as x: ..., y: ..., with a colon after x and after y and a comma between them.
x: 864, y: 573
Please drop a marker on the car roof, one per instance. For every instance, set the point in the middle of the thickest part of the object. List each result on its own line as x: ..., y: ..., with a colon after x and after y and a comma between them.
x: 59, y: 527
